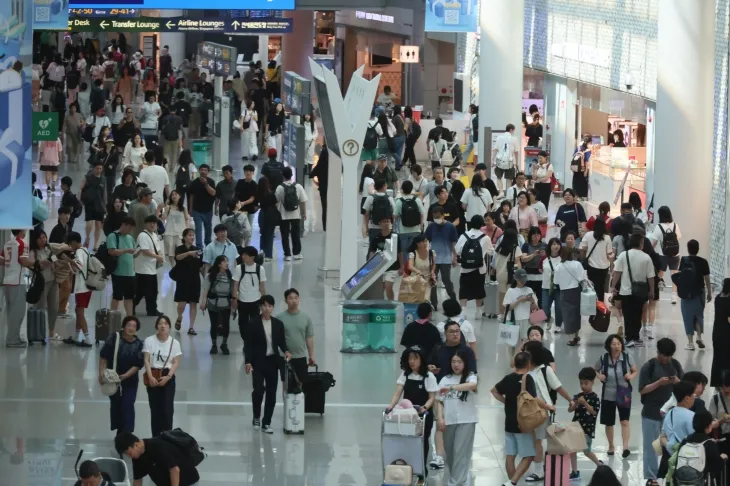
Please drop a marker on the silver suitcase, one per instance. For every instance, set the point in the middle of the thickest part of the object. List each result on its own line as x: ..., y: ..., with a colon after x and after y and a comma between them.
x: 491, y: 301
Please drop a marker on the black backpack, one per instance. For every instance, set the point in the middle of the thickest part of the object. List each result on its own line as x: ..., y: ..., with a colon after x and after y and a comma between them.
x: 186, y: 443
x: 472, y: 256
x: 410, y: 214
x: 37, y: 285
x: 415, y: 130
x: 106, y: 259
x: 182, y: 180
x: 371, y: 139
x: 291, y: 198
x: 670, y: 243
x: 686, y: 280
x: 169, y: 130
x: 381, y: 209
x: 275, y: 177
x: 88, y: 135
x: 76, y: 207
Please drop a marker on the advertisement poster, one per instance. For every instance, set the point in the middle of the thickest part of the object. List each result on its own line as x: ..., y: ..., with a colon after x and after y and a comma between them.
x: 50, y: 14
x: 16, y: 48
x: 452, y: 15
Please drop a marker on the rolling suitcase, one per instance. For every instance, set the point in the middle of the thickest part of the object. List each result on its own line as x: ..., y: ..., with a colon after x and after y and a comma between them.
x: 36, y: 326
x: 107, y: 322
x: 315, y: 387
x: 491, y: 301
x: 293, y: 404
x: 557, y: 470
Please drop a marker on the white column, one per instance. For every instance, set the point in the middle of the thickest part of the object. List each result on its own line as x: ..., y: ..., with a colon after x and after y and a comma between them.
x: 175, y: 40
x: 684, y: 112
x: 500, y: 65
x: 298, y: 45
x: 264, y: 49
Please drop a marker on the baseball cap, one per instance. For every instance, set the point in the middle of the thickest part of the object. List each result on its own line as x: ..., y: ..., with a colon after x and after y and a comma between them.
x: 272, y: 152
x: 383, y: 157
x: 146, y: 191
x: 521, y: 275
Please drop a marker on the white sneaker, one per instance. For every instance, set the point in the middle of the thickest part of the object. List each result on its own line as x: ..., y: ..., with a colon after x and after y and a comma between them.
x: 437, y: 462
x: 630, y: 344
x: 56, y: 337
x: 558, y: 330
x: 674, y: 298
x: 549, y: 324
x: 649, y: 332
x: 298, y: 257
x: 287, y: 258
x: 689, y: 347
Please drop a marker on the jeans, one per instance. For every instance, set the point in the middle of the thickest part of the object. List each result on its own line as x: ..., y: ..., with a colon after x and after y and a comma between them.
x: 291, y: 227
x: 650, y: 430
x: 547, y: 304
x: 162, y: 406
x: 266, y: 236
x: 203, y: 220
x: 405, y: 240
x: 445, y: 270
x: 693, y: 314
x: 147, y: 290
x: 632, y: 307
x: 398, y: 154
x: 265, y: 382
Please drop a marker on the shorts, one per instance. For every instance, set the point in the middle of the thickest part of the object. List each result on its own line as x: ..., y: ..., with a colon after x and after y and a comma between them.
x: 49, y: 168
x: 608, y: 413
x: 508, y: 174
x: 83, y: 299
x: 522, y: 445
x: 540, y: 433
x: 122, y: 287
x: 471, y: 285
x: 672, y: 263
x: 371, y: 154
x: 390, y: 276
x: 91, y: 215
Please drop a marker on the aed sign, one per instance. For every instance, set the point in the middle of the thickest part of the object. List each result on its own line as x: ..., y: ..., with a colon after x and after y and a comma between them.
x: 45, y: 127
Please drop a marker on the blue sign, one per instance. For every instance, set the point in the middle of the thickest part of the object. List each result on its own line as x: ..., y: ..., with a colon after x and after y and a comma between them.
x: 260, y: 26
x: 104, y: 12
x: 50, y: 14
x: 256, y: 14
x: 186, y: 4
x: 451, y: 15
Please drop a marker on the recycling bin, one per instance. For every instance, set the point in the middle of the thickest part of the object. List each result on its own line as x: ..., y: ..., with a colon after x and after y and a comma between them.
x: 381, y: 335
x: 355, y: 324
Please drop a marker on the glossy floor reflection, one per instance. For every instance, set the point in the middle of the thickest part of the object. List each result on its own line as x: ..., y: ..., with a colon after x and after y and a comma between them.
x: 51, y: 404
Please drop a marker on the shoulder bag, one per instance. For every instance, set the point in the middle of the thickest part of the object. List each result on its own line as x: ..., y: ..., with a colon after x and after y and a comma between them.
x: 588, y: 257
x: 152, y: 240
x: 110, y: 377
x: 158, y: 373
x: 623, y: 393
x: 638, y: 289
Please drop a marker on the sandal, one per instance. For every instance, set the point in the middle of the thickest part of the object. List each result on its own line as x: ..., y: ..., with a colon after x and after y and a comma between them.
x: 191, y: 332
x: 611, y: 452
x: 572, y: 342
x: 178, y: 324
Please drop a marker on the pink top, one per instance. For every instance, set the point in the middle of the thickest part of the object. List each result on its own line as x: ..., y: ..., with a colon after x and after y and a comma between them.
x: 493, y: 233
x: 49, y: 153
x: 525, y: 218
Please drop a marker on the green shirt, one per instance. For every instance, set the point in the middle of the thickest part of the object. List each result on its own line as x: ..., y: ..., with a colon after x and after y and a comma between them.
x: 125, y: 262
x: 297, y: 328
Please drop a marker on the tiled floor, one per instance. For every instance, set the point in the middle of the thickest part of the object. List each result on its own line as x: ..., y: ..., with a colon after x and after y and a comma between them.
x: 51, y: 405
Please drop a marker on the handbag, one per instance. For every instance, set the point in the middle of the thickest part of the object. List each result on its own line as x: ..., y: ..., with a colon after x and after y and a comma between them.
x: 413, y: 289
x: 538, y: 317
x: 623, y: 393
x: 576, y: 165
x: 398, y: 473
x: 565, y: 438
x: 509, y: 332
x: 110, y: 377
x: 158, y: 373
x: 638, y: 289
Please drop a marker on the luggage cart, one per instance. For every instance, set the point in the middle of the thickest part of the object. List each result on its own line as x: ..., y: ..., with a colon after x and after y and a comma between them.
x: 408, y: 448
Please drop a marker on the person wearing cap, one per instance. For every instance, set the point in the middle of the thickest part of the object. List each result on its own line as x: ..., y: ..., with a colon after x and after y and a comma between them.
x: 521, y: 300
x: 140, y: 210
x: 273, y: 170
x: 146, y: 262
x: 384, y: 172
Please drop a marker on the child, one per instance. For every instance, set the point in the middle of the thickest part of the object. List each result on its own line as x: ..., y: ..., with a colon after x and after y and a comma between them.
x: 521, y: 300
x: 585, y: 405
x: 69, y: 200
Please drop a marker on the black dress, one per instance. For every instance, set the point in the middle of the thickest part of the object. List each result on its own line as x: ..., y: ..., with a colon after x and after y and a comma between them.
x: 720, y: 339
x: 188, y: 279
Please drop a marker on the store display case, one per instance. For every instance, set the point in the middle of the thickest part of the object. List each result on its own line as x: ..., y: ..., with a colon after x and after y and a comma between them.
x: 613, y: 169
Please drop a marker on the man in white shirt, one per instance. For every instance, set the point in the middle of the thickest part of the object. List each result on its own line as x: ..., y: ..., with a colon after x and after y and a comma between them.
x: 371, y: 228
x: 14, y: 259
x: 249, y: 284
x: 505, y: 155
x: 516, y: 189
x: 471, y: 284
x: 156, y: 178
x: 410, y: 214
x: 292, y: 202
x: 633, y: 267
x: 145, y: 265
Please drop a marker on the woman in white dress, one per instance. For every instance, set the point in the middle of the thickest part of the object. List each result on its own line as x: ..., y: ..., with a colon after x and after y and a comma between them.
x: 176, y: 220
x: 310, y: 140
x: 249, y: 128
x: 149, y: 116
x: 134, y: 153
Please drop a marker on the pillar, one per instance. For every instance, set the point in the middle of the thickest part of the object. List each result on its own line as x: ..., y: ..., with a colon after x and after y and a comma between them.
x: 684, y: 113
x: 501, y: 24
x: 415, y: 71
x: 298, y: 45
x: 264, y: 49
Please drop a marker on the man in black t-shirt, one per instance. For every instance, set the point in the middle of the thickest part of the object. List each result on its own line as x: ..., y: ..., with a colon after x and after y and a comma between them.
x: 164, y: 462
x: 245, y: 192
x: 202, y: 198
x: 378, y: 243
x: 449, y: 207
x: 517, y: 443
x: 693, y: 284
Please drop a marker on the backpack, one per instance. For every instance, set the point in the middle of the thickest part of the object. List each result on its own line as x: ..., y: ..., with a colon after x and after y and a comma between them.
x: 109, y: 261
x: 275, y: 177
x: 169, y: 129
x: 37, y: 285
x: 182, y: 179
x: 529, y: 414
x: 257, y: 272
x: 40, y: 209
x: 415, y: 130
x: 553, y: 393
x: 186, y: 443
x: 371, y: 139
x: 410, y: 213
x: 472, y: 256
x: 505, y: 157
x: 686, y: 279
x: 381, y: 208
x: 291, y: 198
x: 76, y: 207
x: 689, y: 469
x: 235, y: 228
x: 670, y: 243
x: 88, y: 134
x: 109, y: 71
x: 96, y: 275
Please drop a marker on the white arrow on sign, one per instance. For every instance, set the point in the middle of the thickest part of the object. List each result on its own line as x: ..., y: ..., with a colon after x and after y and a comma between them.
x: 235, y: 24
x: 170, y: 25
x: 103, y: 24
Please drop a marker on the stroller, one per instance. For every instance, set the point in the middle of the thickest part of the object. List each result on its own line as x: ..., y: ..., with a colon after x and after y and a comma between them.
x: 112, y: 470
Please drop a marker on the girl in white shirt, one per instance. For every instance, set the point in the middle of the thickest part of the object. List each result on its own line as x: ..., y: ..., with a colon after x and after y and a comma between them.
x: 367, y: 185
x: 249, y: 128
x: 550, y: 289
x: 540, y: 209
x: 116, y: 111
x: 456, y: 416
x: 476, y: 200
x: 596, y: 248
x: 134, y: 153
x: 568, y: 276
x: 667, y: 225
x: 310, y: 140
x: 150, y: 113
x: 161, y: 358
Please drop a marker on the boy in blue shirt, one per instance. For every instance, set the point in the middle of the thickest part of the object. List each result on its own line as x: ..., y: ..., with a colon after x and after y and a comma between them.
x: 677, y: 424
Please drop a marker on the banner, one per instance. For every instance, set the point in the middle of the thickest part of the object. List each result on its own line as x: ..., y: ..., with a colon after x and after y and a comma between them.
x: 50, y: 14
x: 452, y: 15
x: 185, y: 4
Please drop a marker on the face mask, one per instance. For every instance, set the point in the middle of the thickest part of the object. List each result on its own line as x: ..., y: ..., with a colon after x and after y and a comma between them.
x: 438, y: 221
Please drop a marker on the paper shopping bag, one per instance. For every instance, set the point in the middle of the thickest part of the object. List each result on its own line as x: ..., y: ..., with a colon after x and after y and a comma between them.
x: 413, y: 289
x: 564, y: 438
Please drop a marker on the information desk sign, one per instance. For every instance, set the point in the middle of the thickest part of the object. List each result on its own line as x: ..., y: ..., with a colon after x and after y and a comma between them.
x: 184, y: 4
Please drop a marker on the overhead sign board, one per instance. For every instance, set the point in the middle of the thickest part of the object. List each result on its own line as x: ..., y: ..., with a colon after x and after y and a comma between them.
x: 451, y: 15
x: 256, y: 14
x: 172, y: 24
x: 218, y: 59
x: 183, y: 4
x: 259, y: 26
x: 104, y: 12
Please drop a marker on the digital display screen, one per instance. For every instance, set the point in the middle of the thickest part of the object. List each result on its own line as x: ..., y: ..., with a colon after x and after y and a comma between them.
x: 325, y: 112
x: 186, y: 4
x: 364, y: 271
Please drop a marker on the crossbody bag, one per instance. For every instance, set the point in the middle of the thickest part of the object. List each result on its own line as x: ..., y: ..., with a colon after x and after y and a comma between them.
x: 159, y: 264
x: 158, y: 373
x: 638, y: 289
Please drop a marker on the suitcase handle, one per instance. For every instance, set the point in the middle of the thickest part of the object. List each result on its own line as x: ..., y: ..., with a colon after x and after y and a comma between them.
x: 316, y: 368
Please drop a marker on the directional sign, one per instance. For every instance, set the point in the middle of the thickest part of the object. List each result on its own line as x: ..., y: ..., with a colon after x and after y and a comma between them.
x: 178, y: 24
x: 260, y: 26
x: 104, y: 12
x: 182, y: 4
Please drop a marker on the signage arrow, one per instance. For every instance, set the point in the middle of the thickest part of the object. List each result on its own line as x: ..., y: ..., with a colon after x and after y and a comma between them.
x: 170, y: 25
x: 103, y: 24
x: 235, y: 24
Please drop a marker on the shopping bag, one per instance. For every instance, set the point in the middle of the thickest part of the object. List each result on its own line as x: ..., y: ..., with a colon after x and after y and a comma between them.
x: 509, y: 333
x: 413, y: 289
x: 588, y: 300
x: 565, y: 438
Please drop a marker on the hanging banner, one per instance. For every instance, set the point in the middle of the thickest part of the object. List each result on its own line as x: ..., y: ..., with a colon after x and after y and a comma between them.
x: 185, y: 4
x: 50, y: 14
x: 452, y: 15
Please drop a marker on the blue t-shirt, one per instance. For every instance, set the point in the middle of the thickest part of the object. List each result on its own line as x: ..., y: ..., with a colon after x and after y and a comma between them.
x: 571, y: 216
x: 678, y: 426
x: 442, y: 238
x: 215, y: 249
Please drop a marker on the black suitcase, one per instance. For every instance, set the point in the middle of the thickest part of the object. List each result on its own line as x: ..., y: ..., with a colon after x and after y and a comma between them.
x: 315, y: 386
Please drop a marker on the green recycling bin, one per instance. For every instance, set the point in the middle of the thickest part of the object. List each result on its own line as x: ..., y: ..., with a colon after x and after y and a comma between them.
x: 381, y: 335
x: 355, y: 324
x: 202, y: 149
